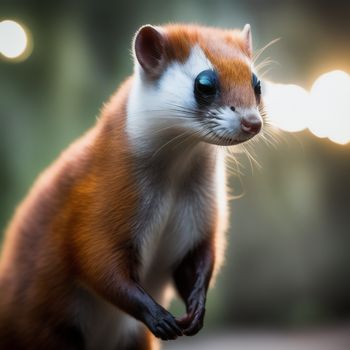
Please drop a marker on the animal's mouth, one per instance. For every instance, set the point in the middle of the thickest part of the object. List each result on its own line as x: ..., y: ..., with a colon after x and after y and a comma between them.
x: 230, y: 140
x: 231, y: 137
x: 228, y: 127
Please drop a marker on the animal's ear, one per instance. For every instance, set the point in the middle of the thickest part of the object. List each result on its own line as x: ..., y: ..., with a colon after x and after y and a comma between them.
x: 149, y: 49
x: 247, y: 37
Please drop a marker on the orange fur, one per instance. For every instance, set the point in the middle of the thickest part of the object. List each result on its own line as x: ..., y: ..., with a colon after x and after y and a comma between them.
x: 63, y: 232
x: 226, y: 50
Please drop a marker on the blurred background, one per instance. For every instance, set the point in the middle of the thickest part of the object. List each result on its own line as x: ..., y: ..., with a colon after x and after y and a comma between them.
x: 286, y: 280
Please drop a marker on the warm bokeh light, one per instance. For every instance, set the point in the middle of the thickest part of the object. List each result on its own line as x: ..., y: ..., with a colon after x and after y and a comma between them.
x: 330, y: 98
x: 325, y: 111
x: 13, y: 39
x: 287, y: 106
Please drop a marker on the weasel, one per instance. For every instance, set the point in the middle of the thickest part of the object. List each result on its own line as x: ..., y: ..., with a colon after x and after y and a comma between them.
x: 137, y: 205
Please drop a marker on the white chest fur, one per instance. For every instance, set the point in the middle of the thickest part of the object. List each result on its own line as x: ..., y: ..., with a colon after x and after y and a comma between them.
x: 170, y: 233
x: 179, y: 210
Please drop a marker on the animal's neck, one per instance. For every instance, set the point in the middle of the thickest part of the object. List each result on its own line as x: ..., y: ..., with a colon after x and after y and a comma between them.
x: 176, y: 158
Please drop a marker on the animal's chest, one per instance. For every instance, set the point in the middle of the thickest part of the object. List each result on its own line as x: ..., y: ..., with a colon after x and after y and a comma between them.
x: 175, y: 221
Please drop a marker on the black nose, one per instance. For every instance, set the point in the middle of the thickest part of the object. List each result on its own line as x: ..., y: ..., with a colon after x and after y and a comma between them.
x: 251, y: 124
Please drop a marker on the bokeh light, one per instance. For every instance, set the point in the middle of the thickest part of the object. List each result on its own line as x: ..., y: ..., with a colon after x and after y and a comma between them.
x: 14, y: 41
x: 330, y: 98
x: 287, y: 106
x: 325, y: 110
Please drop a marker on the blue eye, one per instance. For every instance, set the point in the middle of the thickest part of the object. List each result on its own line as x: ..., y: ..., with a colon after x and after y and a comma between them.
x: 256, y: 85
x: 206, y: 87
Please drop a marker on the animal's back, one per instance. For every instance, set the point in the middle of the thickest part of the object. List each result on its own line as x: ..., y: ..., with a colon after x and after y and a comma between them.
x: 46, y: 302
x: 35, y: 273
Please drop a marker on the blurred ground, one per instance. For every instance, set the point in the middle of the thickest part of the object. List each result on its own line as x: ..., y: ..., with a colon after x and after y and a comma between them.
x: 322, y: 339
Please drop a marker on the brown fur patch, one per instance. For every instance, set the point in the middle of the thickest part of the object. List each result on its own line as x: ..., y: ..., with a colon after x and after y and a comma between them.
x: 226, y: 50
x: 75, y: 224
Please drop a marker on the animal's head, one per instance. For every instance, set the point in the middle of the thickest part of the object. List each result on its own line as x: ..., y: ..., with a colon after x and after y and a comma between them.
x: 198, y: 81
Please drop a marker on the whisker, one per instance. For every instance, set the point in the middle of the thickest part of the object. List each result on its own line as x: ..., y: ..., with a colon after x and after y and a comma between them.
x: 262, y: 75
x: 266, y: 62
x: 195, y: 132
x: 263, y: 49
x: 166, y: 144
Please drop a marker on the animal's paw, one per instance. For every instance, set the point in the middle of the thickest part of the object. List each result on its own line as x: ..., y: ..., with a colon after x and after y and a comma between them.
x: 163, y: 324
x: 192, y: 322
